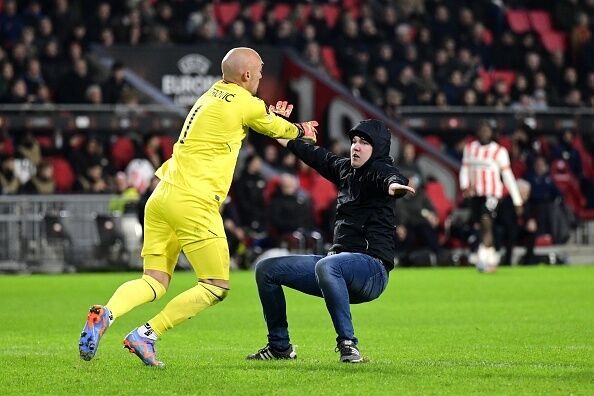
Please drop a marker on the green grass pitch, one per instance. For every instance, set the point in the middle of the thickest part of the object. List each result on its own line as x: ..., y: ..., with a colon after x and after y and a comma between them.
x: 434, y: 331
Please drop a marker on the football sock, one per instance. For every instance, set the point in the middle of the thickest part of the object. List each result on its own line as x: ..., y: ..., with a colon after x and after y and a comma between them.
x: 134, y: 293
x: 186, y: 305
x: 147, y: 331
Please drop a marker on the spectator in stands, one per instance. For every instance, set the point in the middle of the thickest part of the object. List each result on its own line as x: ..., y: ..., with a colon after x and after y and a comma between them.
x: 408, y: 162
x: 236, y: 237
x: 9, y: 182
x: 94, y: 95
x: 18, y: 93
x: 92, y: 181
x: 6, y: 81
x: 484, y: 164
x: 512, y: 230
x: 543, y: 194
x: 237, y: 34
x: 28, y: 147
x: 45, y: 32
x: 322, y: 193
x: 145, y: 195
x: 313, y: 56
x: 153, y: 151
x: 52, y: 64
x: 42, y: 182
x: 566, y: 151
x: 417, y: 227
x: 249, y: 189
x: 290, y: 208
x: 115, y: 84
x: 83, y: 153
x: 33, y: 77
x: 259, y: 33
x: 77, y: 81
x: 127, y: 197
x: 11, y: 23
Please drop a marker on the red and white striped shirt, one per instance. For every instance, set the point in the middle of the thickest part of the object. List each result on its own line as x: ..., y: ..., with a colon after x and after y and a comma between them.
x: 484, y: 167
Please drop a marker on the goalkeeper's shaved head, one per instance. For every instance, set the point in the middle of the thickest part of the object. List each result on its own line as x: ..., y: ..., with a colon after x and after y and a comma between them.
x: 243, y: 66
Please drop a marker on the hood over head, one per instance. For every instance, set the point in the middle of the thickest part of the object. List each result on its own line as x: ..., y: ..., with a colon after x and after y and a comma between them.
x: 377, y: 134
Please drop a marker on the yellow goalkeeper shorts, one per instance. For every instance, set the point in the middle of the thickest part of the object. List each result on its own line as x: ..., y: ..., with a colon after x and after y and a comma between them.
x: 174, y: 220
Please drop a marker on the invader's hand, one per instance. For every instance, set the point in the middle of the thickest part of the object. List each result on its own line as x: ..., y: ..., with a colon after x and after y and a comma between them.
x: 399, y: 190
x: 307, y: 131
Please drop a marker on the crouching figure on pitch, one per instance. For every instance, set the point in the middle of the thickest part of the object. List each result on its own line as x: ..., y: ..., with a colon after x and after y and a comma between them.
x: 356, y: 267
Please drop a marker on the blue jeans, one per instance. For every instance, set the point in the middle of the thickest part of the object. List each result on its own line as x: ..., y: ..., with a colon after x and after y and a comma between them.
x: 341, y: 279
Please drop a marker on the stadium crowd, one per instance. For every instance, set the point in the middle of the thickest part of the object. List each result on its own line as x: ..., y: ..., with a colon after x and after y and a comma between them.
x: 392, y: 53
x: 503, y: 54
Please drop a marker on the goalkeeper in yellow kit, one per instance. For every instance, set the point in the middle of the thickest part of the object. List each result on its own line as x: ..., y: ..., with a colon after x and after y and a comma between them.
x: 183, y: 211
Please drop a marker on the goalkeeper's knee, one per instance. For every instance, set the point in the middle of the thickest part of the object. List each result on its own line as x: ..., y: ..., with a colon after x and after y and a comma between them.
x: 215, y: 293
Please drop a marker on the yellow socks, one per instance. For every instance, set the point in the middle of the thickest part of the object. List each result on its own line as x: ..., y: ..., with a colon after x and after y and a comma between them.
x: 186, y: 305
x: 134, y: 293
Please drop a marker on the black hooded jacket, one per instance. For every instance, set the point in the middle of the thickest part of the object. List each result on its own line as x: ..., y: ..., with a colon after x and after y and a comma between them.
x: 365, y: 215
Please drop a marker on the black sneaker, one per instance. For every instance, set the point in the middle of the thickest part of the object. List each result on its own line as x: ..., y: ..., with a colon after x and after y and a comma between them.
x: 349, y: 353
x: 269, y: 353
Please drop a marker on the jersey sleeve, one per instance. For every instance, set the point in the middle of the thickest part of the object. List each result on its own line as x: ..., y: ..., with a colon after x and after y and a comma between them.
x: 463, y: 176
x: 257, y: 117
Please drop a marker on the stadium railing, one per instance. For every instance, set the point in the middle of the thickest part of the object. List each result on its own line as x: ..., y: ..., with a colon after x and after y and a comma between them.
x: 64, y: 233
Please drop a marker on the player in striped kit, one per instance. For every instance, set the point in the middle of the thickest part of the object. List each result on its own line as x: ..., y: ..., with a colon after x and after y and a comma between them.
x: 485, y: 177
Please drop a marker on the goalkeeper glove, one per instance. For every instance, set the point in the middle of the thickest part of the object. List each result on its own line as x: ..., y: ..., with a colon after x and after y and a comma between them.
x: 307, y: 131
x: 282, y: 108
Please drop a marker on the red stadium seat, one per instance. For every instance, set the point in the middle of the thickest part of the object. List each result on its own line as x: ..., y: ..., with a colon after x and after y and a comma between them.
x: 440, y: 201
x: 540, y: 21
x: 544, y: 240
x: 282, y: 11
x: 554, y: 41
x: 487, y: 37
x: 586, y: 214
x: 329, y: 59
x: 302, y: 16
x: 518, y: 21
x: 586, y: 157
x: 122, y: 152
x: 257, y: 11
x: 8, y: 147
x: 434, y: 141
x: 568, y: 185
x: 491, y: 77
x: 353, y: 7
x: 166, y: 146
x: 331, y: 14
x: 505, y: 141
x: 508, y: 76
x: 45, y: 142
x: 271, y: 187
x: 63, y: 174
x: 226, y: 13
x: 487, y: 79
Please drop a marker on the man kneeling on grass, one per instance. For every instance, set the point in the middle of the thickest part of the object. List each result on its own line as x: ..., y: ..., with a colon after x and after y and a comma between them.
x: 356, y: 268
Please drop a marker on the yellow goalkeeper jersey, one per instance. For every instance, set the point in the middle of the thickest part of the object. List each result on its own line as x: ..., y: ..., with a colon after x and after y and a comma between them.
x: 205, y: 154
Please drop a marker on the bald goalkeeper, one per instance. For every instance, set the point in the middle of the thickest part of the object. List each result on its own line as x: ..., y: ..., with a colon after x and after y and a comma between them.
x: 183, y: 211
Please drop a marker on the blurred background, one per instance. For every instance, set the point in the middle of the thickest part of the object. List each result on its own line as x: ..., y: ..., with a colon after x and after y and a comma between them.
x: 93, y: 94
